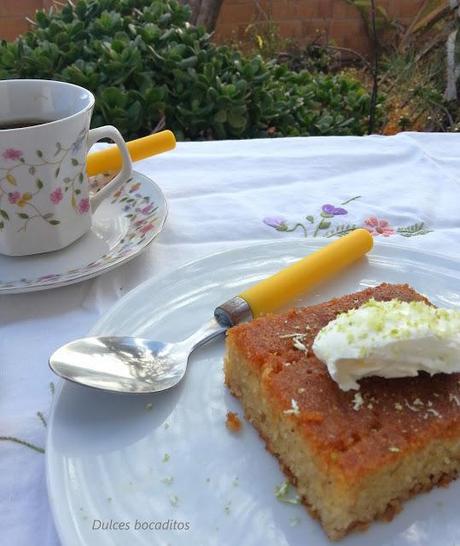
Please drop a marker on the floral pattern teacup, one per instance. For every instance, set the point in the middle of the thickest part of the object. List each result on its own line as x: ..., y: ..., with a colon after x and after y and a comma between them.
x: 44, y: 192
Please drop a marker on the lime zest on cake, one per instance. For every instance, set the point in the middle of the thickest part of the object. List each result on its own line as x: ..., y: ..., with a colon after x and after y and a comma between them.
x: 389, y: 339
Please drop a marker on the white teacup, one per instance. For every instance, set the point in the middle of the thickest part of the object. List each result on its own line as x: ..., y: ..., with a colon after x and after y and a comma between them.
x: 44, y: 140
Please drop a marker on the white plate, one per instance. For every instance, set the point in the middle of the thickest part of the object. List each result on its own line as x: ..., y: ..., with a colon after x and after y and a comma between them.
x: 105, y: 452
x: 123, y: 226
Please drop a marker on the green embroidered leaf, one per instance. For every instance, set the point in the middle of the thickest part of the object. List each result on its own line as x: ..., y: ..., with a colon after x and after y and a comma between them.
x: 310, y: 218
x: 324, y: 225
x: 326, y: 215
x: 4, y: 214
x: 54, y: 222
x: 22, y: 215
x: 77, y: 191
x: 32, y: 169
x: 48, y: 215
x: 351, y: 199
x: 2, y: 225
x: 341, y: 230
x: 56, y: 172
x: 418, y: 228
x: 39, y: 184
x: 80, y: 177
x: 39, y: 153
x: 74, y: 162
x: 58, y: 148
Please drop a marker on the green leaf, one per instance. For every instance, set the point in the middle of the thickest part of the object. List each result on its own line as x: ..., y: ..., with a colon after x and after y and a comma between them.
x: 56, y: 172
x: 32, y: 170
x: 54, y: 222
x: 39, y: 184
x: 2, y: 225
x: 310, y: 218
x: 74, y: 162
x: 39, y: 153
x: 4, y: 214
x: 22, y: 215
x: 413, y: 230
x: 220, y: 116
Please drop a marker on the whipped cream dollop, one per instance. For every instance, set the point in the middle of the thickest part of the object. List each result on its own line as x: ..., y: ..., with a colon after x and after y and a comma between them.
x: 389, y: 339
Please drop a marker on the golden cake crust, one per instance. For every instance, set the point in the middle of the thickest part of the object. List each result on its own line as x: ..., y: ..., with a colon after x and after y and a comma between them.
x: 352, y: 434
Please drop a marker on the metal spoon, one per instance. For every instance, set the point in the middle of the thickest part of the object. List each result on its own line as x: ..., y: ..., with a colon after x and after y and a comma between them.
x: 134, y: 365
x: 130, y: 364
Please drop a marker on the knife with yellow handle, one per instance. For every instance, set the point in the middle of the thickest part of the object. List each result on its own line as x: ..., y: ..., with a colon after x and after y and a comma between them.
x: 135, y: 365
x: 109, y: 159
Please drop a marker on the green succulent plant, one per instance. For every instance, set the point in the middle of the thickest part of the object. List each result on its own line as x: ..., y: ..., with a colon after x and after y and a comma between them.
x: 148, y: 67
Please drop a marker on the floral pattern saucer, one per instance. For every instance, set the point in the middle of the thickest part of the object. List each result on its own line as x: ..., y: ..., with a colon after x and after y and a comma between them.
x: 123, y: 226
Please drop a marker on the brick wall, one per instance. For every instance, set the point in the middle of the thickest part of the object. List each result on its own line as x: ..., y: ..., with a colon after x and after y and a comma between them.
x: 304, y: 19
x: 13, y: 15
x: 298, y: 19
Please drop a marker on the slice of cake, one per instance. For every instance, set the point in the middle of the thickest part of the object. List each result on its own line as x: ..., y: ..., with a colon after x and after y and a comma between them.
x: 354, y: 456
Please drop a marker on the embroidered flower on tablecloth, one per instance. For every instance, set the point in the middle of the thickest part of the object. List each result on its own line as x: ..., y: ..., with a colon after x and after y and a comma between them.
x: 327, y: 224
x: 333, y: 211
x: 277, y: 222
x: 377, y: 226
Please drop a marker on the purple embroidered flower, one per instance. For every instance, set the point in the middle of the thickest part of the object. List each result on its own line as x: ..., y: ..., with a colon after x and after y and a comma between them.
x: 277, y: 222
x: 13, y: 154
x: 83, y: 206
x: 14, y: 197
x: 56, y: 196
x: 126, y: 208
x: 333, y: 211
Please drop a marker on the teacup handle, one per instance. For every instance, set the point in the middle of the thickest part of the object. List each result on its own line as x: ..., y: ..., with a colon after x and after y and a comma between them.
x: 108, y: 131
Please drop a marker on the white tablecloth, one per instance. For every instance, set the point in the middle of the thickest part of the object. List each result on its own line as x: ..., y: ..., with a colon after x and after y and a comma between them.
x: 405, y: 189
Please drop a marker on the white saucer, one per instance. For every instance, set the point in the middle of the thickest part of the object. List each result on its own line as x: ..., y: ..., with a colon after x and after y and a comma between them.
x: 123, y: 226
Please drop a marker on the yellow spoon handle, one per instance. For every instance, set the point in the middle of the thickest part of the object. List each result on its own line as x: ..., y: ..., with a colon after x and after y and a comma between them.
x: 110, y: 158
x: 278, y: 289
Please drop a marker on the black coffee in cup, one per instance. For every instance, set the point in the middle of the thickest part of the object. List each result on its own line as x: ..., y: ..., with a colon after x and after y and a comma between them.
x: 20, y: 123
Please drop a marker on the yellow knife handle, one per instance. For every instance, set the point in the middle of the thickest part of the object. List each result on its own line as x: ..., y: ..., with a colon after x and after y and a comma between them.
x: 278, y: 289
x: 110, y: 159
